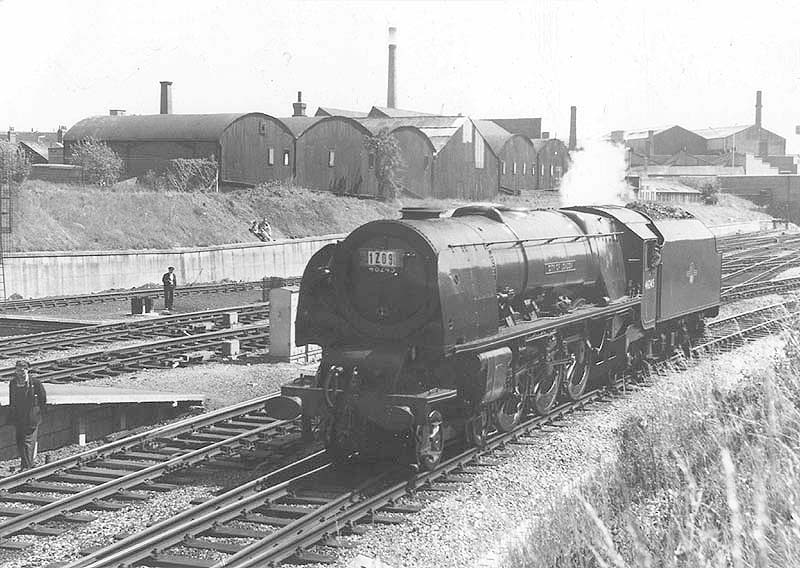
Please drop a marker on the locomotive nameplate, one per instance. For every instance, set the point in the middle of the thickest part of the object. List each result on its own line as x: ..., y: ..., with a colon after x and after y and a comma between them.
x: 372, y: 258
x: 561, y: 266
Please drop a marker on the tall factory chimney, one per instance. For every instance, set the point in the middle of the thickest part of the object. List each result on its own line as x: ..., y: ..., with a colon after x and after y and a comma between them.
x: 391, y: 95
x: 166, y: 97
x: 573, y: 123
x: 299, y: 106
x: 758, y: 110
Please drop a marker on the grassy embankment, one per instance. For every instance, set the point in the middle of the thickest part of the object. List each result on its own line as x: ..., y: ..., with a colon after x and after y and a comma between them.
x: 61, y: 217
x: 709, y: 477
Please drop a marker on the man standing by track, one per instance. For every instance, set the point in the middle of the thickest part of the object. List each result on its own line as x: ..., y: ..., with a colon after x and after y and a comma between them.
x: 27, y: 400
x: 170, y: 281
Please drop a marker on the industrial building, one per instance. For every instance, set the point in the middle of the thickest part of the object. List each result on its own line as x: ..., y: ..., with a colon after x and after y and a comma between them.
x: 665, y: 141
x: 552, y: 159
x: 517, y: 157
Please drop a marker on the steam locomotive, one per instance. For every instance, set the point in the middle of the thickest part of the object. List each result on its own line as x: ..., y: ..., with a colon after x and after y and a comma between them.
x: 444, y: 326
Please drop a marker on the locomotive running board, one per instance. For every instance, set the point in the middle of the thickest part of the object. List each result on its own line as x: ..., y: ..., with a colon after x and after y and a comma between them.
x: 543, y: 326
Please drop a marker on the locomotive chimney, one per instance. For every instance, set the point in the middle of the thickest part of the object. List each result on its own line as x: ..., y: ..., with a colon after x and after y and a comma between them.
x: 299, y: 106
x: 391, y: 95
x: 573, y: 121
x: 166, y: 97
x: 758, y: 110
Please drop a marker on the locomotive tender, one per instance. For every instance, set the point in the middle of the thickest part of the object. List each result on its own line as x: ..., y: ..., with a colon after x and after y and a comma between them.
x: 445, y: 326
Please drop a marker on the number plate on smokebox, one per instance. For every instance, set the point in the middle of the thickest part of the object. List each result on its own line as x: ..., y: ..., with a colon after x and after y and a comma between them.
x: 381, y: 259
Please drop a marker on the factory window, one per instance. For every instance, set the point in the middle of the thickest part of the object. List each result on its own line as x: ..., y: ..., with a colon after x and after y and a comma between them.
x: 514, y: 169
x: 426, y: 161
x: 371, y: 161
x: 551, y: 170
x: 541, y: 170
x: 270, y: 156
x: 503, y: 167
x: 533, y: 169
x: 524, y: 168
x: 479, y: 150
x: 262, y: 127
x: 286, y: 157
x: 331, y: 158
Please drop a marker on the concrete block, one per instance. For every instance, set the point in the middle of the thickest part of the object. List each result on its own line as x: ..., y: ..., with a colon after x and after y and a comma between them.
x: 230, y: 319
x: 282, y: 316
x: 231, y: 348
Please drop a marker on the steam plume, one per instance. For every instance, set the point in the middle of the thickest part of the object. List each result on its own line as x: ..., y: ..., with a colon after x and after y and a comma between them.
x: 596, y: 176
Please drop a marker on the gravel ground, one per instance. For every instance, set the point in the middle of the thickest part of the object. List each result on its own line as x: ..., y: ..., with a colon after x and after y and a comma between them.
x: 472, y: 526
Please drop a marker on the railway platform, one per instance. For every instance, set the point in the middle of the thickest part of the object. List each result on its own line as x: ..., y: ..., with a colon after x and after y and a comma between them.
x: 24, y: 325
x: 79, y: 414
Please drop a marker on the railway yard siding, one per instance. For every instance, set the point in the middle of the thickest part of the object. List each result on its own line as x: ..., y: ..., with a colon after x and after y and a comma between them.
x: 40, y: 274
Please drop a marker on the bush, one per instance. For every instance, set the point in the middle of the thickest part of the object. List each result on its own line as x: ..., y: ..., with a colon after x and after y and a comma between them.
x: 101, y: 165
x: 14, y: 163
x: 387, y: 162
x: 184, y: 174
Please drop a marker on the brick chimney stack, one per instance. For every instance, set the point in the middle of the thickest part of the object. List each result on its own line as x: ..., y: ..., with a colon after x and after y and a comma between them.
x: 758, y: 110
x: 573, y: 122
x: 12, y: 135
x: 60, y: 134
x: 299, y: 106
x: 166, y: 97
x: 391, y: 95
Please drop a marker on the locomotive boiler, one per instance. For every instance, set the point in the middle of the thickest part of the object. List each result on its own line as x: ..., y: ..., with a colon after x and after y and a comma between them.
x: 441, y: 327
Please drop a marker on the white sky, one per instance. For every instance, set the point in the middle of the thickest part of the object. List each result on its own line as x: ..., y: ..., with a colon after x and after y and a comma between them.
x: 625, y: 65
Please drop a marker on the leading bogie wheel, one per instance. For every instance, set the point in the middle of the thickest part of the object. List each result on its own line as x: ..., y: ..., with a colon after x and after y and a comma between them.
x: 478, y: 429
x: 429, y: 440
x: 509, y: 413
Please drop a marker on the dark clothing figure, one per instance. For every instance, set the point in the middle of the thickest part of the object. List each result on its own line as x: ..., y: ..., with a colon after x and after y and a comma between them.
x: 170, y: 282
x: 27, y: 399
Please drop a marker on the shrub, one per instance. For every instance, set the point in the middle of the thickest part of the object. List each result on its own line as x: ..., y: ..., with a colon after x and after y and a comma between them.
x: 14, y: 163
x: 184, y: 174
x: 388, y: 161
x: 101, y: 165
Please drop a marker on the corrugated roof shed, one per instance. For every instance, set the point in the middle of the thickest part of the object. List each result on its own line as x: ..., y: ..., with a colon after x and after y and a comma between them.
x: 495, y: 135
x: 438, y: 129
x: 197, y: 127
x: 330, y: 111
x: 299, y: 124
x: 527, y: 127
x: 38, y: 148
x: 721, y: 131
x: 640, y: 134
x: 385, y: 112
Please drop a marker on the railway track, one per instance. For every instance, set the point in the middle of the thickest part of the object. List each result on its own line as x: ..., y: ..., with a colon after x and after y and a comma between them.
x: 112, y: 476
x: 154, y: 354
x: 102, y: 297
x: 753, y: 289
x: 169, y: 326
x: 300, y: 520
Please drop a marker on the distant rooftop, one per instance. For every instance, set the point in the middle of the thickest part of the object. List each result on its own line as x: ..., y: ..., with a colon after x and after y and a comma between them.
x: 722, y: 131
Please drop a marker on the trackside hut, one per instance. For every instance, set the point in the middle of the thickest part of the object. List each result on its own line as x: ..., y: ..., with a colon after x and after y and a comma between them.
x: 516, y: 154
x: 331, y: 156
x: 251, y: 148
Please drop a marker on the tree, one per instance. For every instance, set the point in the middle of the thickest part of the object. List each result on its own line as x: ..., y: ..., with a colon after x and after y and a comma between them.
x: 386, y: 158
x: 14, y: 163
x: 101, y: 165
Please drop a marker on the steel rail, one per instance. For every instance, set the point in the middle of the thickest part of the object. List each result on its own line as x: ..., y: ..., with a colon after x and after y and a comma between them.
x: 133, y: 479
x: 339, y: 511
x: 102, y: 297
x: 732, y: 293
x: 114, y: 361
x: 109, y: 332
x: 174, y: 429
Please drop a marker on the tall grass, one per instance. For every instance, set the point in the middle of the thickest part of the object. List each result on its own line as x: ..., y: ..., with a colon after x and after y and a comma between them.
x: 710, y: 477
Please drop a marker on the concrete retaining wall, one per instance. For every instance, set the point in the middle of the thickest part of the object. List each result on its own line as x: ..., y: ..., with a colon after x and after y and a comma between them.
x: 40, y: 274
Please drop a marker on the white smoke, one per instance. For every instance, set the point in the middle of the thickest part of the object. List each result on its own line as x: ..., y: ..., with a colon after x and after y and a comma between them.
x: 596, y: 176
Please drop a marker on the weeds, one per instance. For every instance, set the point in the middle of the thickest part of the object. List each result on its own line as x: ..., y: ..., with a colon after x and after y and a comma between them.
x: 709, y: 477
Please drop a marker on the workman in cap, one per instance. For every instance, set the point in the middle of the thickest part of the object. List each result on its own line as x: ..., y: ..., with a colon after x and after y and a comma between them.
x: 170, y: 281
x: 27, y: 400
